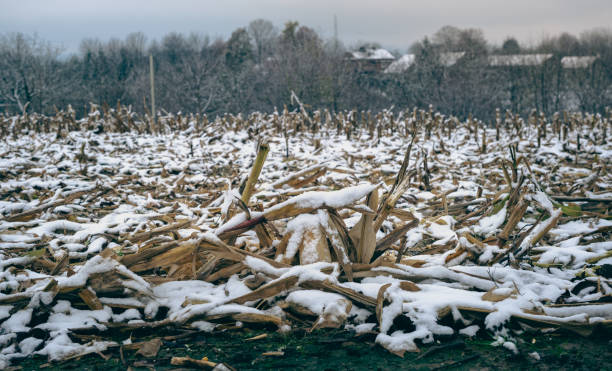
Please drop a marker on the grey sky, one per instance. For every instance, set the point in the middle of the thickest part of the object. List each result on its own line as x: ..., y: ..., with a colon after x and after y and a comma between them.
x: 393, y: 23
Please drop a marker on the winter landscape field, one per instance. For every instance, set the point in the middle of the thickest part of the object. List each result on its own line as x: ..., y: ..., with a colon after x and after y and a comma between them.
x: 305, y: 185
x: 120, y: 234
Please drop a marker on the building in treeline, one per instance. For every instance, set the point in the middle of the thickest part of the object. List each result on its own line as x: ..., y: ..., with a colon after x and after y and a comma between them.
x: 370, y: 59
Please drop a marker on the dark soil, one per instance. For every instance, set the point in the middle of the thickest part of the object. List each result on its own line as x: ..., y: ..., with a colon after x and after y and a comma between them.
x: 341, y: 350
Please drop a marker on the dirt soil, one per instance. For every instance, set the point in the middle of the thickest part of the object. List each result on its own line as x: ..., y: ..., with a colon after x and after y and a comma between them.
x: 342, y: 350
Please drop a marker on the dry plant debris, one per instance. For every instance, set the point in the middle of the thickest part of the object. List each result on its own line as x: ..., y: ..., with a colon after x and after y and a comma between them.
x: 407, y: 226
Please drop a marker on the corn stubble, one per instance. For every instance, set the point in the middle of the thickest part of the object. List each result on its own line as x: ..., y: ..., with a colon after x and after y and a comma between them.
x: 368, y: 237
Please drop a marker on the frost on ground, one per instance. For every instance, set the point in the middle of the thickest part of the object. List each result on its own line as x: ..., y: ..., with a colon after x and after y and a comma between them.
x: 407, y: 226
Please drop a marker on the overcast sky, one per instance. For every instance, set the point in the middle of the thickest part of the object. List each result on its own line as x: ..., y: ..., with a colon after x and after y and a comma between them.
x: 395, y: 24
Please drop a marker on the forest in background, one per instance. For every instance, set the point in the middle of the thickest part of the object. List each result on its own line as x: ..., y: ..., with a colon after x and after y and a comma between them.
x: 258, y: 67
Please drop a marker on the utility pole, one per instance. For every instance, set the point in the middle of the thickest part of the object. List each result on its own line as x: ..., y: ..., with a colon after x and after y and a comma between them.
x: 152, y: 75
x: 334, y: 90
x: 335, y: 33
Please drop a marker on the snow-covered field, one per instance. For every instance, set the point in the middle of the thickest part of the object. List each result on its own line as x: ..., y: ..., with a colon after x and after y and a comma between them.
x: 106, y: 227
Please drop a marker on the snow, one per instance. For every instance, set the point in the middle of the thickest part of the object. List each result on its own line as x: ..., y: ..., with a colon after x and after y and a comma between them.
x: 490, y: 224
x: 5, y: 311
x: 232, y: 309
x: 449, y: 59
x: 29, y: 345
x: 61, y: 346
x: 578, y: 62
x: 314, y: 300
x: 361, y: 328
x: 544, y: 201
x: 510, y: 346
x: 96, y: 265
x: 400, y: 341
x: 333, y: 199
x: 64, y: 317
x: 573, y: 254
x: 535, y: 356
x: 297, y: 227
x: 173, y: 294
x: 203, y: 326
x: 18, y: 321
x: 578, y: 227
x: 470, y: 331
x: 518, y: 59
x: 402, y: 64
x: 374, y: 53
x: 127, y: 315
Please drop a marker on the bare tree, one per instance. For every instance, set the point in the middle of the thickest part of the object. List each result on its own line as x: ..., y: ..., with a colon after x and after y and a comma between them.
x: 188, y: 76
x: 263, y: 35
x: 258, y: 67
x: 27, y: 72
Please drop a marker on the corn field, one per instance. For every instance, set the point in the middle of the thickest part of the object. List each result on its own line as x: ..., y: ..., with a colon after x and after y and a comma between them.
x: 408, y: 225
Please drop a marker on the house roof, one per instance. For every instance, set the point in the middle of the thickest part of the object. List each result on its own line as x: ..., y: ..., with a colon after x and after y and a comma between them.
x: 577, y: 62
x: 407, y: 60
x: 401, y: 64
x: 450, y: 58
x: 518, y: 60
x: 371, y: 54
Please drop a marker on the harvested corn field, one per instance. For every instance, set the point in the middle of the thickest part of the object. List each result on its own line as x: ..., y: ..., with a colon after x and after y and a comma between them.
x: 407, y: 226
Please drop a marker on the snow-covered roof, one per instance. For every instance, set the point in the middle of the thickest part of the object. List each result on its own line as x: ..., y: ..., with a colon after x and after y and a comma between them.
x: 450, y: 58
x: 372, y: 54
x: 402, y: 64
x: 518, y: 59
x: 577, y: 62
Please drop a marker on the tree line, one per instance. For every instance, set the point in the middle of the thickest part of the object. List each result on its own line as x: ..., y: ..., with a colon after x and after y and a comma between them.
x: 259, y: 66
